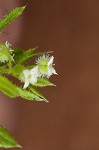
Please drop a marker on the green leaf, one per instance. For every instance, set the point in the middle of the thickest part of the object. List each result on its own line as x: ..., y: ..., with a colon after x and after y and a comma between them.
x: 26, y: 58
x: 8, y: 88
x: 11, y: 90
x: 12, y: 15
x: 42, y: 82
x: 37, y: 93
x: 26, y: 55
x: 17, y: 70
x: 23, y: 56
x: 7, y: 140
x: 29, y: 52
x: 28, y: 95
x: 17, y: 51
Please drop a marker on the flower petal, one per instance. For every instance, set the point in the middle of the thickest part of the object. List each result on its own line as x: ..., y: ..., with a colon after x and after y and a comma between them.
x: 33, y: 79
x: 53, y: 70
x: 26, y: 73
x: 35, y: 71
x: 51, y: 61
x: 26, y: 84
x: 49, y: 73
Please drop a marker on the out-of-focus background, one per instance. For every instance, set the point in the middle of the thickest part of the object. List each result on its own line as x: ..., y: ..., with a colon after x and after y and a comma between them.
x: 70, y: 121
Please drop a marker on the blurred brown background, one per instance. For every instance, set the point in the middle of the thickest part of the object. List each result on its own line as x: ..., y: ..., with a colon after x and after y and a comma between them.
x: 71, y: 120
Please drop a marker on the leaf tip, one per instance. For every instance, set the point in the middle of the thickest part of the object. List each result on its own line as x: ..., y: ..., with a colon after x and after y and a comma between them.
x: 19, y: 146
x: 24, y: 7
x: 51, y: 84
x: 45, y: 100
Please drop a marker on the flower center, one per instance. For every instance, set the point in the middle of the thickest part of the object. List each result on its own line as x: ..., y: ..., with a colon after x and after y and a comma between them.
x: 43, y: 65
x: 29, y: 76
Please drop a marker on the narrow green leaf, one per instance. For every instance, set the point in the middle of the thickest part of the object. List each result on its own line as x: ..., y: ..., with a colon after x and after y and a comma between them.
x: 8, y: 88
x: 11, y: 90
x: 28, y: 95
x: 37, y: 93
x: 12, y: 15
x: 7, y: 140
x: 29, y: 52
x: 26, y: 55
x: 42, y: 82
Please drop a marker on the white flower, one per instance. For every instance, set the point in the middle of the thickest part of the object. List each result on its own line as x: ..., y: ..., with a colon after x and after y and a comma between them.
x: 30, y: 76
x: 45, y: 64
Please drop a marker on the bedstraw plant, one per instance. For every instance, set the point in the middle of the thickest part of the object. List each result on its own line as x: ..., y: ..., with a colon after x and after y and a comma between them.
x: 13, y: 62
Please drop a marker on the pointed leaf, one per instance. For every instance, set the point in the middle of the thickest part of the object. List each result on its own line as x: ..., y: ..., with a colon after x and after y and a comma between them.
x: 6, y: 139
x: 28, y: 95
x: 8, y: 88
x: 26, y: 55
x: 42, y: 82
x: 37, y: 93
x: 11, y: 16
